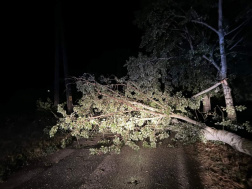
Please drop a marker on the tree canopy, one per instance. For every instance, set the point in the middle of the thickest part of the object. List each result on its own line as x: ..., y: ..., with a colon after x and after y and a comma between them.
x: 200, y: 40
x: 185, y: 55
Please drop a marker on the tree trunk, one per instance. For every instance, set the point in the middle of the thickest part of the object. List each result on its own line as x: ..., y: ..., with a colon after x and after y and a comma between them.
x: 57, y: 61
x: 223, y: 73
x: 68, y: 87
x: 56, y: 79
x: 206, y: 103
x: 64, y: 57
x: 229, y: 102
x: 238, y: 143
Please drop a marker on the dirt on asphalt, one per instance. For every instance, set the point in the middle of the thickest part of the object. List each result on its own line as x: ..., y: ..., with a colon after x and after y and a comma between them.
x: 182, y: 167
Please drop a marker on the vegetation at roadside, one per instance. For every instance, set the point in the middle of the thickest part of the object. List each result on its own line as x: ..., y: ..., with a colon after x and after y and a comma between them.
x: 24, y: 138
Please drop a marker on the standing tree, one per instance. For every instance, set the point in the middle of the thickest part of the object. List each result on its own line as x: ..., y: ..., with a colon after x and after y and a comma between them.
x: 181, y: 33
x: 57, y: 56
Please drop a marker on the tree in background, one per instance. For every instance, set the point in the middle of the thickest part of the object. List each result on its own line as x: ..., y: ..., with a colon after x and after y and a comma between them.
x: 61, y: 55
x: 183, y: 34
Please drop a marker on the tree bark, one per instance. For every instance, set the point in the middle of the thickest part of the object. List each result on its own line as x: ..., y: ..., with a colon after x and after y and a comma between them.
x: 238, y: 143
x: 206, y: 103
x: 64, y: 58
x: 231, y: 114
x: 223, y: 73
x: 209, y: 89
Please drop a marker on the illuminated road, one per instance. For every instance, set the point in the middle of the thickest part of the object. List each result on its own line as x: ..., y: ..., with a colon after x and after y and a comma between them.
x: 163, y: 167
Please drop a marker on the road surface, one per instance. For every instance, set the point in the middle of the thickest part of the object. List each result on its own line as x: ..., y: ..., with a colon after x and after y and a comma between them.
x: 163, y: 167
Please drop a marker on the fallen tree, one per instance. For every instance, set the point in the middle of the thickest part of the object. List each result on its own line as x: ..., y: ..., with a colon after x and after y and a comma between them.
x: 237, y: 142
x: 131, y: 113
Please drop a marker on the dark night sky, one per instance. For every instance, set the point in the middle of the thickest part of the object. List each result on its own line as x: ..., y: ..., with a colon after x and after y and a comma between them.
x: 94, y: 32
x: 91, y: 30
x: 97, y: 33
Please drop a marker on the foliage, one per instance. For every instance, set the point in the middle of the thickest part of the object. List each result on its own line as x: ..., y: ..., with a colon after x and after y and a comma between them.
x: 185, y: 50
x: 125, y: 109
x: 44, y: 106
x: 183, y: 59
x: 170, y: 74
x: 131, y: 113
x: 176, y: 45
x: 187, y: 133
x: 233, y: 125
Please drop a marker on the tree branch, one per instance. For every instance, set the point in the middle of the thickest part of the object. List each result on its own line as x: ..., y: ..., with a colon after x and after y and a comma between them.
x: 210, y: 88
x: 236, y: 34
x: 205, y: 24
x: 144, y: 106
x: 213, y: 62
x: 136, y: 88
x: 106, y: 115
x: 187, y: 119
x: 237, y: 27
x: 236, y: 43
x: 199, y: 22
x: 166, y: 58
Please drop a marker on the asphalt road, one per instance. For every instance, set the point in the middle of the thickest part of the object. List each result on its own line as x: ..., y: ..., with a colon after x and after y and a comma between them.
x: 163, y: 167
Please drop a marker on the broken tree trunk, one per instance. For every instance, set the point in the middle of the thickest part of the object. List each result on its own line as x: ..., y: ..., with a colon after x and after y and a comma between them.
x: 228, y: 98
x: 207, y: 103
x: 237, y: 142
x: 231, y: 114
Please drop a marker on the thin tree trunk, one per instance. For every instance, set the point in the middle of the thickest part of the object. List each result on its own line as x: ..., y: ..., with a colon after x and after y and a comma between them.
x: 64, y: 57
x: 223, y: 73
x: 57, y: 61
x: 56, y: 78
